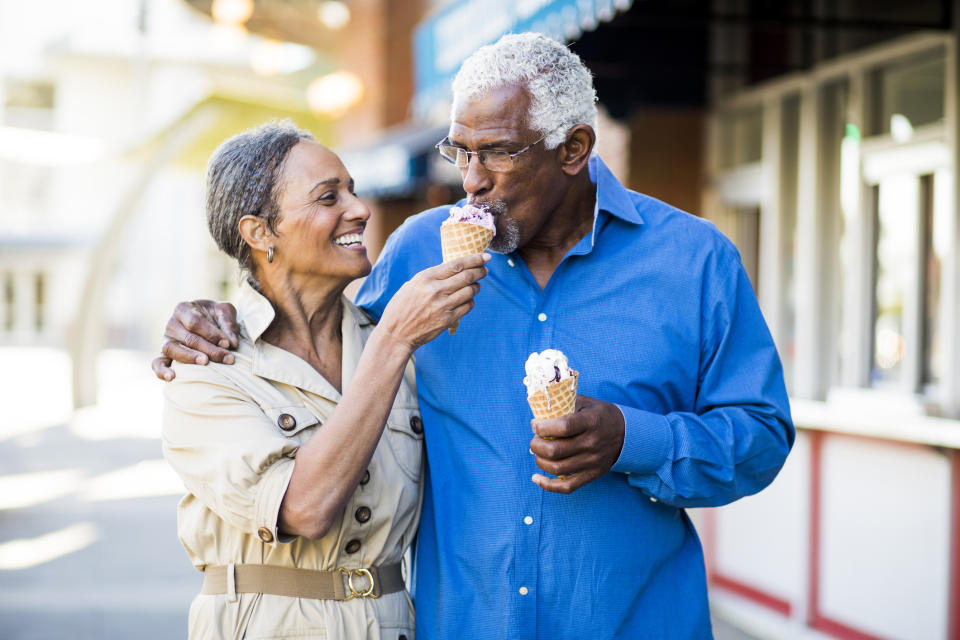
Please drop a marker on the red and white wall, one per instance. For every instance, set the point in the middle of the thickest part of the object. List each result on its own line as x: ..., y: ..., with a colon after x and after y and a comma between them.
x: 858, y: 537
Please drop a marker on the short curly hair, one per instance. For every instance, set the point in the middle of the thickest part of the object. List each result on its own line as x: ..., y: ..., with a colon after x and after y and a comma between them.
x: 242, y: 179
x: 560, y: 85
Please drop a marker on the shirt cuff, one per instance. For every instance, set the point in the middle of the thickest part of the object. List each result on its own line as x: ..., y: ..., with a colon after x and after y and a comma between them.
x: 270, y: 494
x: 646, y: 441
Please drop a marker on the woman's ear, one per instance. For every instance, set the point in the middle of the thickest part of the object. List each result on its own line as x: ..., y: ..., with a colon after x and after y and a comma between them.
x: 575, y: 150
x: 254, y: 232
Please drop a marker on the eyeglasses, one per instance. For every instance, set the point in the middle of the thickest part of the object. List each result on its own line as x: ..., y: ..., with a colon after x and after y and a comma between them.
x: 492, y: 159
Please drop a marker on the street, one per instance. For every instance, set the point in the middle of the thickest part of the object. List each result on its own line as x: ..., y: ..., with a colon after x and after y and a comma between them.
x: 88, y: 545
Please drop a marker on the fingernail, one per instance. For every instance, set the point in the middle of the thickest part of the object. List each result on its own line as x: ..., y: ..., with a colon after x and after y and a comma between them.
x: 201, y: 359
x: 224, y: 343
x: 228, y: 359
x: 487, y: 257
x: 167, y: 377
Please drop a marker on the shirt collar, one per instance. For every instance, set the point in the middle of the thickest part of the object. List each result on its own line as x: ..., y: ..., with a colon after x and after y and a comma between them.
x: 255, y: 312
x: 612, y: 196
x: 612, y: 199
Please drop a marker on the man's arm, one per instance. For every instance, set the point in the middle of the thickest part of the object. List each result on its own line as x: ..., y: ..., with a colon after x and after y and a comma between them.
x: 196, y: 333
x: 732, y: 444
x: 203, y: 331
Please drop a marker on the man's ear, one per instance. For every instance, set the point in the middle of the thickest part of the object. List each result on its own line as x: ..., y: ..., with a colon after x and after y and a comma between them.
x: 575, y: 150
x: 254, y: 232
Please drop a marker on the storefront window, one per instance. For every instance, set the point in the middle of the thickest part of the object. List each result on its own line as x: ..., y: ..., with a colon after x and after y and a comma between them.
x: 909, y: 94
x: 741, y: 138
x: 910, y: 254
x: 935, y: 253
x: 748, y: 242
x: 895, y: 257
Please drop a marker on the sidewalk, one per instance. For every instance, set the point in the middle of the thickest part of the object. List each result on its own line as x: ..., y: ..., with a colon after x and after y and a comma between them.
x: 88, y: 542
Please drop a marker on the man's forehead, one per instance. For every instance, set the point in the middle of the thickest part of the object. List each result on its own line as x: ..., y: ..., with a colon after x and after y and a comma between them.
x: 500, y: 113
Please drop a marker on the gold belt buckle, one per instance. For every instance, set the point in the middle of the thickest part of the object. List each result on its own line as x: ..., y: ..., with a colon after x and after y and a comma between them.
x: 354, y: 592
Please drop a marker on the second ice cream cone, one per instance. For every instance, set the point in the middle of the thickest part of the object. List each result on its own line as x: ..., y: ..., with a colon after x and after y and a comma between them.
x: 559, y: 399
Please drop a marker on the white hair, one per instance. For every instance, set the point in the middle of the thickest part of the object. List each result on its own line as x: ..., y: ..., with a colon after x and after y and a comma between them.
x: 560, y: 85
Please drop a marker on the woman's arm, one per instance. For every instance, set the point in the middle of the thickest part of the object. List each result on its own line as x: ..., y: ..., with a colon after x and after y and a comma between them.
x: 328, y: 467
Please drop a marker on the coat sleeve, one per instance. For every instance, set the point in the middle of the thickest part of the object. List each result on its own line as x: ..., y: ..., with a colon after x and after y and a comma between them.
x: 735, y: 440
x: 225, y: 449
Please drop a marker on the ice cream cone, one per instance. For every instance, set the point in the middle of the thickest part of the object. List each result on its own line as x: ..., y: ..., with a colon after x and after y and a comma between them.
x: 559, y: 399
x: 460, y: 239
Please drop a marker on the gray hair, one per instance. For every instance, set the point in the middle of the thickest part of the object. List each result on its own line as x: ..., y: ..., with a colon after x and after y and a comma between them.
x: 560, y: 85
x: 242, y: 177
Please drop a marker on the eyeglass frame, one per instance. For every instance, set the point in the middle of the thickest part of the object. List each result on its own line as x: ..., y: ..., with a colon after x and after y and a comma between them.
x: 512, y: 156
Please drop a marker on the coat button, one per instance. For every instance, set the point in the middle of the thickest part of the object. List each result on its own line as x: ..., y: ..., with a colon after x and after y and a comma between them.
x: 353, y: 546
x: 265, y: 534
x: 362, y: 514
x: 286, y: 421
x: 366, y: 477
x: 416, y: 423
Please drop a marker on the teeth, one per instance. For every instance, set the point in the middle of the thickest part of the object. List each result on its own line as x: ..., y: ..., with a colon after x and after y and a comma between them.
x: 349, y: 239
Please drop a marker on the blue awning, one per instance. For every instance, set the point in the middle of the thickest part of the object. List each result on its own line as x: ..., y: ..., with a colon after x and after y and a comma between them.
x: 448, y: 36
x: 401, y: 161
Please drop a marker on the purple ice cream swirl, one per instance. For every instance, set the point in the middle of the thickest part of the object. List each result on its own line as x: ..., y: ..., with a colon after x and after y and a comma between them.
x: 470, y: 214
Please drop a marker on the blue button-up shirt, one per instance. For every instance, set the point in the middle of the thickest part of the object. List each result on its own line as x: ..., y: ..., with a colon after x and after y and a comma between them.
x: 655, y: 311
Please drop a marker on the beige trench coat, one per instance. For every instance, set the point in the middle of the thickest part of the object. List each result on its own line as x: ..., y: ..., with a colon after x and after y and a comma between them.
x: 221, y: 435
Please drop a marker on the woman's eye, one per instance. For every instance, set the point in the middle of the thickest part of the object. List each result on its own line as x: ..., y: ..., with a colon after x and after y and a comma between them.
x: 327, y: 197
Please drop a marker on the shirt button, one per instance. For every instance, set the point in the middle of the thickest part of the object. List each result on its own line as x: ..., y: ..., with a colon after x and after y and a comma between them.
x: 542, y: 317
x: 353, y: 546
x: 366, y: 477
x: 362, y: 514
x: 265, y: 534
x: 652, y: 499
x: 528, y: 520
x: 524, y: 591
x: 286, y: 422
x: 511, y: 262
x: 416, y: 423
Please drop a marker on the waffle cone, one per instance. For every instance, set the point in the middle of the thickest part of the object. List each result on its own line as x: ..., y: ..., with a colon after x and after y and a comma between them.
x: 559, y: 399
x: 459, y: 239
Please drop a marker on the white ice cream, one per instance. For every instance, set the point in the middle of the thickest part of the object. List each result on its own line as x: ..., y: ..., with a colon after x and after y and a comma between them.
x: 545, y: 368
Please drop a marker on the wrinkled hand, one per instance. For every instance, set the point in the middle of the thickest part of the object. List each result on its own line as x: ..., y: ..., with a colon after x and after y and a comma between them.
x: 581, y: 446
x: 433, y: 300
x: 197, y: 332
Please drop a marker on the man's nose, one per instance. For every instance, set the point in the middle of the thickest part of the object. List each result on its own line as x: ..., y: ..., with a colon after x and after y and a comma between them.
x: 476, y: 177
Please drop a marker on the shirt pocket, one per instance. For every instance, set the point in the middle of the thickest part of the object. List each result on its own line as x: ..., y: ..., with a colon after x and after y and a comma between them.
x: 404, y: 434
x: 291, y: 421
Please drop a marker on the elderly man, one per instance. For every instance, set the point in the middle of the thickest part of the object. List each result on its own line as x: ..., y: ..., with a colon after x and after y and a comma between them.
x: 578, y: 529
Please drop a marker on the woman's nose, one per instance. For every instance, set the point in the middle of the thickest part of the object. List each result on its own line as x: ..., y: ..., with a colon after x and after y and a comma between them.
x: 358, y: 210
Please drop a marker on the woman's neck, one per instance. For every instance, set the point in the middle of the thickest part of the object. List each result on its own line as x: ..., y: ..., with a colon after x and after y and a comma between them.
x: 307, y: 322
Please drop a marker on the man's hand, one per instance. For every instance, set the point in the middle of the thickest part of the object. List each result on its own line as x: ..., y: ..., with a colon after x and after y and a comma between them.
x: 196, y: 333
x: 580, y: 447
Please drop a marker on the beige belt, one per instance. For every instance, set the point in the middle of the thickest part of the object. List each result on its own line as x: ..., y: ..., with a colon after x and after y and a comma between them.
x: 341, y: 584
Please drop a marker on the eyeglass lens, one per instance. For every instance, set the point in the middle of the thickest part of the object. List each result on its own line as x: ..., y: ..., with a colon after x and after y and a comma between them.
x: 491, y: 159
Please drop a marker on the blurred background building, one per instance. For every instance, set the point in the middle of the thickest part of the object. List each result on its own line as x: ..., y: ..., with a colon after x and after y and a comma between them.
x: 820, y: 135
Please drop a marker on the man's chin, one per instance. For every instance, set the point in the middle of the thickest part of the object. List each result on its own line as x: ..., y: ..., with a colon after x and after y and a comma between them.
x: 507, y: 238
x: 504, y: 242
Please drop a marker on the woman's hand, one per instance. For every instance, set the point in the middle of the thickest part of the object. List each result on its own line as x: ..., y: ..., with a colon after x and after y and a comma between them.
x: 433, y: 300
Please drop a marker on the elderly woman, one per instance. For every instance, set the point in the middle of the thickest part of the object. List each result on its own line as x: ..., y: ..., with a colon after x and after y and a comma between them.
x: 301, y: 503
